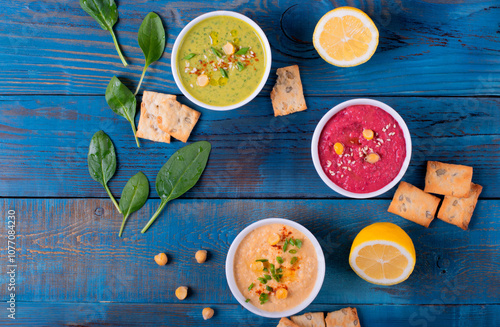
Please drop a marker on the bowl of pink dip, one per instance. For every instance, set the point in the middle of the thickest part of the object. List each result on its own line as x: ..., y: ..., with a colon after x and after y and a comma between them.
x: 361, y: 148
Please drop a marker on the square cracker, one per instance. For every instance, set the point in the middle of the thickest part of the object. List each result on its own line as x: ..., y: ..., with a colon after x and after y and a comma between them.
x: 414, y: 204
x: 448, y: 179
x: 458, y: 211
x: 148, y: 126
x: 178, y: 120
x: 347, y: 317
x: 287, y: 94
x: 285, y: 322
x: 312, y: 319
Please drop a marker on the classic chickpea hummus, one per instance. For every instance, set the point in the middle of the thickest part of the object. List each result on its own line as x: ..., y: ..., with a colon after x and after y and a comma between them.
x: 275, y: 267
x: 362, y: 148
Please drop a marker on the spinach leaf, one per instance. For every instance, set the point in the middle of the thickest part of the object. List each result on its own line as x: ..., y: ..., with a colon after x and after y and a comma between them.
x: 179, y: 174
x: 134, y: 195
x: 121, y: 100
x: 105, y: 13
x: 102, y: 161
x: 151, y: 39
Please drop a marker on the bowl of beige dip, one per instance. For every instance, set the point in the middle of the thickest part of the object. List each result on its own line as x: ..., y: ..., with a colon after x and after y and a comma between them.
x: 275, y: 267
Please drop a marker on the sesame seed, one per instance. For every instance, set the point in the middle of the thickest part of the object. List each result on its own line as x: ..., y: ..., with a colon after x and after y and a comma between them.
x: 383, y: 129
x: 391, y: 134
x: 191, y: 85
x: 344, y: 167
x: 332, y: 172
x: 328, y: 163
x: 381, y: 141
x: 388, y: 140
x: 341, y: 176
x: 187, y: 63
x: 394, y: 125
x: 349, y: 168
x: 388, y: 125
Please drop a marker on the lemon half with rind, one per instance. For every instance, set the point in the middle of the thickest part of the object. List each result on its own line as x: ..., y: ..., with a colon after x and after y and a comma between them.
x: 382, y: 254
x: 346, y: 37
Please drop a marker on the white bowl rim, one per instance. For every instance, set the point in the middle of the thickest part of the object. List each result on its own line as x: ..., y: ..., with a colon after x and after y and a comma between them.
x: 188, y: 27
x: 328, y: 116
x: 230, y: 268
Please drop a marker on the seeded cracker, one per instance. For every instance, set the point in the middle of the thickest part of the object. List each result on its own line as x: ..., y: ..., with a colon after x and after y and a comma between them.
x: 285, y: 322
x: 287, y: 95
x: 448, y: 179
x: 458, y: 211
x: 150, y: 110
x: 414, y: 204
x: 347, y: 317
x: 312, y: 319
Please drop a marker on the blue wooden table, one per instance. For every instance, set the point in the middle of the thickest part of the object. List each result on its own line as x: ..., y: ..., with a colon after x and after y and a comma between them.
x: 437, y: 64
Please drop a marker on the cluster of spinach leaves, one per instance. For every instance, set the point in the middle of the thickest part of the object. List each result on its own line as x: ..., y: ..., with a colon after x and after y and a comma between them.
x: 178, y: 175
x: 151, y: 39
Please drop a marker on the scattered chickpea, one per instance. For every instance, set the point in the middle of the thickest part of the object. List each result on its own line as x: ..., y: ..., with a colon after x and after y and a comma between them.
x: 339, y: 148
x: 368, y: 134
x: 281, y: 294
x: 372, y: 158
x: 161, y: 259
x: 181, y: 292
x: 274, y: 239
x: 201, y: 256
x: 207, y: 313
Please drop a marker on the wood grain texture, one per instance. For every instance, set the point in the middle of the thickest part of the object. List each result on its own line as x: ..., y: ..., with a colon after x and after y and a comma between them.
x: 69, y: 251
x: 36, y: 314
x: 44, y: 143
x: 425, y: 48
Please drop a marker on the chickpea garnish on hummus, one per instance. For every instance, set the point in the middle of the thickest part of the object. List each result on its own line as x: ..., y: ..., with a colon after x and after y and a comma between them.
x: 275, y: 267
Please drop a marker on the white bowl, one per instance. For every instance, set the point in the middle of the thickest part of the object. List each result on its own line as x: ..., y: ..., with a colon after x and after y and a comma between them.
x: 230, y: 268
x: 328, y: 116
x: 178, y: 41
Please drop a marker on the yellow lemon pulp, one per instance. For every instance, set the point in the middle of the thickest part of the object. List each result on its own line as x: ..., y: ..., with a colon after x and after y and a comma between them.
x: 383, y: 254
x: 345, y: 37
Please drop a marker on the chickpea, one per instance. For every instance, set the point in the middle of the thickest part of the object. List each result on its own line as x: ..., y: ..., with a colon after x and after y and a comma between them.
x: 274, y: 239
x: 161, y: 259
x: 207, y: 313
x: 372, y: 158
x: 257, y: 266
x: 281, y: 294
x: 201, y: 256
x: 181, y: 292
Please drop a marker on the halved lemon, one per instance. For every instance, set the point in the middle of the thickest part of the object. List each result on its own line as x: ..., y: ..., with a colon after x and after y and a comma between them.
x: 382, y: 254
x: 345, y: 37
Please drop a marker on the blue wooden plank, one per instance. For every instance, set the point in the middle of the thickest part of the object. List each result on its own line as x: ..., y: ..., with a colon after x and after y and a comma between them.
x: 69, y: 251
x: 35, y: 314
x: 44, y: 143
x: 426, y: 48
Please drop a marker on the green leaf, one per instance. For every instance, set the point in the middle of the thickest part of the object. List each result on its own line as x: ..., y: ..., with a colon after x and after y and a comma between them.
x: 285, y: 245
x: 122, y: 101
x: 293, y: 251
x: 298, y: 243
x: 269, y: 288
x: 134, y: 196
x: 263, y: 298
x: 251, y: 286
x: 106, y: 14
x: 151, y: 38
x: 294, y: 260
x: 101, y: 160
x: 189, y: 56
x: 262, y: 280
x: 240, y: 66
x: 223, y: 72
x: 242, y: 51
x: 247, y: 300
x: 268, y: 277
x: 180, y: 173
x: 279, y: 260
x: 261, y: 260
x: 216, y: 52
x: 291, y: 241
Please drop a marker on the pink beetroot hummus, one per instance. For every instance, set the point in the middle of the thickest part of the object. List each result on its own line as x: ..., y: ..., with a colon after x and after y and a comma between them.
x: 351, y: 170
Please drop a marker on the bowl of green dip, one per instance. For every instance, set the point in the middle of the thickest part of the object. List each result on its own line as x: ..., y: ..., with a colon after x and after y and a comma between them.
x: 221, y: 60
